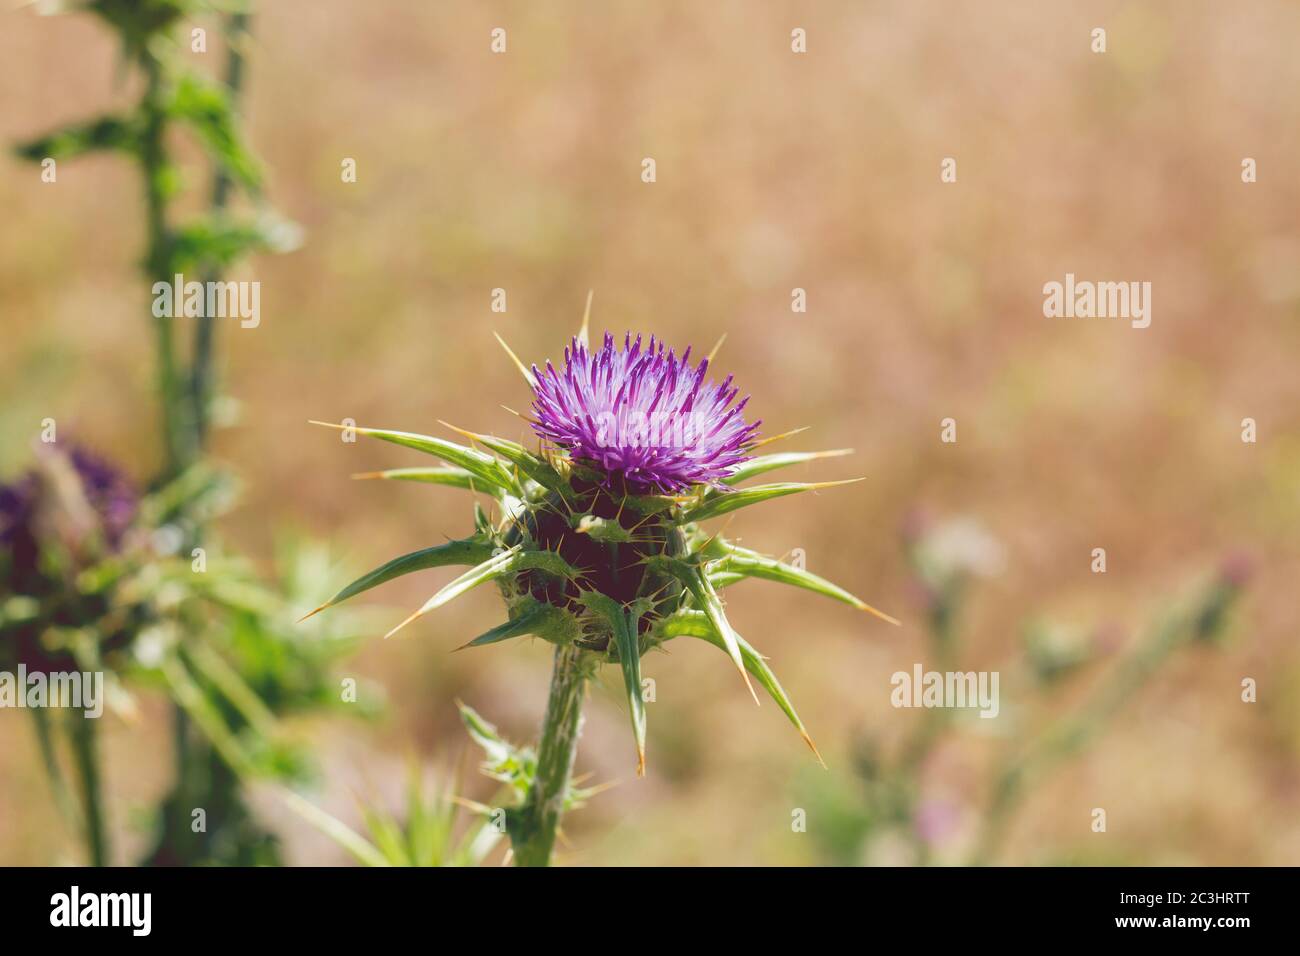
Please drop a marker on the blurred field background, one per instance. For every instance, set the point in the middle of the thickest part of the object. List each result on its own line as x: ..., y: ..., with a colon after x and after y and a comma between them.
x: 775, y: 171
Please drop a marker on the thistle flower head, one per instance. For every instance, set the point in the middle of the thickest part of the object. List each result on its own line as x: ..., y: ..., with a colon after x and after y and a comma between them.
x: 648, y: 420
x: 71, y: 510
x: 79, y: 483
x: 599, y: 547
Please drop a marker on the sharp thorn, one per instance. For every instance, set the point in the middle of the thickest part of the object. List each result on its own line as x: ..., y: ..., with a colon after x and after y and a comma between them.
x: 404, y: 623
x: 523, y: 369
x: 714, y: 351
x: 813, y: 747
x: 584, y: 333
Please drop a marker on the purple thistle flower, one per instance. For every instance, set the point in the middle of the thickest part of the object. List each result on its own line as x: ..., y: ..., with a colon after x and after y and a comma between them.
x: 646, y: 418
x: 107, y: 490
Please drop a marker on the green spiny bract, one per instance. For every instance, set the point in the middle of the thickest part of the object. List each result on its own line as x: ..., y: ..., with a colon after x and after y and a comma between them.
x: 588, y: 560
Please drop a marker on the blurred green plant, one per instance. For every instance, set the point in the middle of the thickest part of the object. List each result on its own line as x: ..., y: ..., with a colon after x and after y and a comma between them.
x: 92, y: 580
x: 175, y: 98
x: 215, y: 641
x: 889, y: 816
x: 431, y: 830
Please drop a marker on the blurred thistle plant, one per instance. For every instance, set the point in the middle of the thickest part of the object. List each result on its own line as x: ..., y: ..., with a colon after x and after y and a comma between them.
x: 229, y: 672
x: 175, y: 97
x: 92, y: 581
x: 598, y: 546
x: 895, y: 800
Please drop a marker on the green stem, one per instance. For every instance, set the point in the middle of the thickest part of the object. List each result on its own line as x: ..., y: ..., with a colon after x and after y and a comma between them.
x: 533, y: 832
x: 62, y: 795
x: 188, y: 759
x: 201, y: 374
x: 85, y: 750
x: 153, y: 163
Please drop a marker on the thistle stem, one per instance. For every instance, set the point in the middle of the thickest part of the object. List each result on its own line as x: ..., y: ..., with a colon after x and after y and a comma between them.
x: 85, y: 749
x: 158, y: 263
x: 533, y: 831
x: 201, y: 374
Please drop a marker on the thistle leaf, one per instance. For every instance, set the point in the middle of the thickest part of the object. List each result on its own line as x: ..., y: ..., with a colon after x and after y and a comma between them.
x: 456, y: 477
x: 533, y: 467
x: 106, y: 133
x: 529, y: 622
x: 480, y: 465
x: 205, y: 107
x: 765, y: 463
x: 504, y: 564
x: 743, y: 563
x: 495, y: 748
x: 723, y: 502
x: 606, y: 530
x: 361, y: 848
x: 697, y: 624
x: 706, y: 599
x: 652, y: 504
x: 471, y: 550
x: 623, y: 622
x: 514, y: 766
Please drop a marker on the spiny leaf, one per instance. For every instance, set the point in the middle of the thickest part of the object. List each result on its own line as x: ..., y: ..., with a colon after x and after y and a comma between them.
x: 534, y: 467
x: 365, y: 851
x: 471, y: 550
x: 386, y: 834
x: 515, y: 766
x: 623, y: 623
x: 205, y: 107
x: 723, y: 502
x: 490, y: 569
x: 607, y: 530
x: 482, y: 466
x: 652, y: 504
x: 484, y: 734
x: 697, y: 624
x: 456, y: 477
x: 508, y: 562
x: 527, y: 622
x: 765, y: 463
x: 697, y: 583
x: 743, y: 562
x: 109, y: 132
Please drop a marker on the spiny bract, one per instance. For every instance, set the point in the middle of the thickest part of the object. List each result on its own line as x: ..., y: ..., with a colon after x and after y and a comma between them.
x: 599, y: 543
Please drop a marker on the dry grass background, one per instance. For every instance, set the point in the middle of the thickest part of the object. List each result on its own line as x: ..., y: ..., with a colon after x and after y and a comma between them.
x: 774, y: 171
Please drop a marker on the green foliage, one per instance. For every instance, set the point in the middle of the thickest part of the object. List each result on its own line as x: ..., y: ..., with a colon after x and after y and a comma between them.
x: 431, y: 831
x: 218, y: 640
x: 203, y: 627
x: 714, y: 504
x: 104, y: 134
x: 205, y: 108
